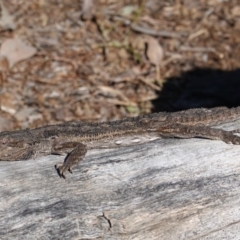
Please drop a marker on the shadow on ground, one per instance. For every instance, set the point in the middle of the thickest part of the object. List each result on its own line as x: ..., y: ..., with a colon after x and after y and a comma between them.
x: 200, y: 88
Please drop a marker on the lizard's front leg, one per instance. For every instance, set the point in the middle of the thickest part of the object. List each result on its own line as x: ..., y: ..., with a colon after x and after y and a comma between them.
x: 72, y: 159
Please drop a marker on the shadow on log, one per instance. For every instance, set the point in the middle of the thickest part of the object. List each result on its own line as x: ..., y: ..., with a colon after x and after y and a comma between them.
x: 166, y: 189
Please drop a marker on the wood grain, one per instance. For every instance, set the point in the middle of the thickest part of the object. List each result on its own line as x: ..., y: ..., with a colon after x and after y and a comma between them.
x: 166, y: 189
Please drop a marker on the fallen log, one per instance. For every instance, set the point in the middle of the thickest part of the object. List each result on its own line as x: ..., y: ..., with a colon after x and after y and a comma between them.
x: 166, y: 189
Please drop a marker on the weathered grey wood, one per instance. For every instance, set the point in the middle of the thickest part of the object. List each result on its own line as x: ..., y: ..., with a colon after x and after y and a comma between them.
x: 167, y: 189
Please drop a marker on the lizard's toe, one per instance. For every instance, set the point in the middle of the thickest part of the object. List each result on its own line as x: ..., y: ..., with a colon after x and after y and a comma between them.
x: 60, y: 170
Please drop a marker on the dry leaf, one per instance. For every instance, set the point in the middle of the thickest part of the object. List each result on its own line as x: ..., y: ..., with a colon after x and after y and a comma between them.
x: 128, y: 10
x: 116, y: 92
x: 4, y: 67
x: 87, y: 9
x: 16, y: 50
x: 8, y: 103
x: 6, y: 20
x: 154, y: 53
x: 200, y: 32
x: 4, y: 64
x: 236, y: 11
x: 6, y: 124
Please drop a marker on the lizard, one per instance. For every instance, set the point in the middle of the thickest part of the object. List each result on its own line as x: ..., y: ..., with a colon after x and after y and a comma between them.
x: 75, y: 138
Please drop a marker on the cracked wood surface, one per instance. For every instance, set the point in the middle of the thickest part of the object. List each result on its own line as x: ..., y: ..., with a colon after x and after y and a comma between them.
x: 166, y: 189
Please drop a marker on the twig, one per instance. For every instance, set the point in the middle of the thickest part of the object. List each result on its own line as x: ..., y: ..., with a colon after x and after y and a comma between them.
x: 152, y: 85
x: 152, y: 32
x: 197, y: 49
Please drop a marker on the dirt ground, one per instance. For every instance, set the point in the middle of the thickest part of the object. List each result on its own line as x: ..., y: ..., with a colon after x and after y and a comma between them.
x: 65, y: 60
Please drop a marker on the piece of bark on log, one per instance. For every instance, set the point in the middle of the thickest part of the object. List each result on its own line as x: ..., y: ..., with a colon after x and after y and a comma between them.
x: 166, y: 189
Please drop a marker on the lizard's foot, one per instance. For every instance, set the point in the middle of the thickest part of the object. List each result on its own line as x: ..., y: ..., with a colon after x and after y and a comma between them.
x: 62, y: 169
x: 72, y: 160
x: 232, y: 139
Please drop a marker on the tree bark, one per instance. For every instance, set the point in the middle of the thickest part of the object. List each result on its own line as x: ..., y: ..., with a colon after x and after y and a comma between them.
x: 166, y: 189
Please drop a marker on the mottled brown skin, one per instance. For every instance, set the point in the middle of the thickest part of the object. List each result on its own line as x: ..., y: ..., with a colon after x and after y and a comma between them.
x: 75, y: 138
